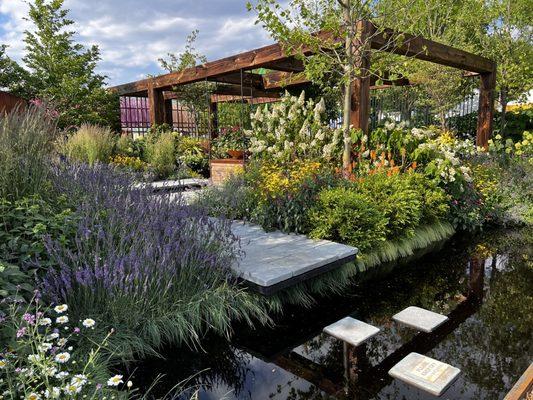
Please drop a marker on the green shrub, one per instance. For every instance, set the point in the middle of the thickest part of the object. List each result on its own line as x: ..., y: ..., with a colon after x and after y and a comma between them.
x: 90, y: 144
x: 434, y: 200
x: 23, y: 225
x: 192, y: 155
x: 128, y: 147
x: 350, y: 217
x: 26, y: 142
x: 234, y: 199
x: 399, y: 201
x: 14, y: 283
x: 161, y: 154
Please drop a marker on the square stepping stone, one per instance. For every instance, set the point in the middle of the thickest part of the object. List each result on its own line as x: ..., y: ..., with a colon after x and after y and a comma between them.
x: 420, y: 319
x: 425, y: 373
x: 351, y: 330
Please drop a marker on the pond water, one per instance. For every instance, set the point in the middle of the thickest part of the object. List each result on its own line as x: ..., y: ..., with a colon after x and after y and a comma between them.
x: 483, y: 284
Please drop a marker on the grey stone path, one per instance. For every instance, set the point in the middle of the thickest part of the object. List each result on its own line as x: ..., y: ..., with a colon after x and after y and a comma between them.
x: 351, y: 330
x: 420, y: 319
x: 175, y: 184
x: 425, y: 373
x: 271, y: 258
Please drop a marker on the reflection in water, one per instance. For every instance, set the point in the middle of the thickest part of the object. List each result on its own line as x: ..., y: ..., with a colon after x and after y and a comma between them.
x: 486, y: 291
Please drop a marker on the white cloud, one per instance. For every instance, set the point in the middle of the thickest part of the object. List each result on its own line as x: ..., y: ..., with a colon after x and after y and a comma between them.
x: 133, y: 34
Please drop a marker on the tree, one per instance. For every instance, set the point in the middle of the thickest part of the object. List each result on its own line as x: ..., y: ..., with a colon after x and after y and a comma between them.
x: 508, y: 41
x: 62, y: 71
x: 12, y: 76
x: 194, y: 94
x: 342, y: 53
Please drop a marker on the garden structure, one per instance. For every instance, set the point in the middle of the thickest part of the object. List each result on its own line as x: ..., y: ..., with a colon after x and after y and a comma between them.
x: 260, y: 76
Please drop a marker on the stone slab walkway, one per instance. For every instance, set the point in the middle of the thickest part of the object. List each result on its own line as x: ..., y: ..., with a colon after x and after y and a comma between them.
x: 420, y: 319
x: 351, y: 330
x: 425, y: 373
x: 275, y: 260
x: 175, y: 184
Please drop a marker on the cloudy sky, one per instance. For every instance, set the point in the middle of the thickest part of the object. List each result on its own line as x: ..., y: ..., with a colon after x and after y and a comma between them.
x: 133, y: 34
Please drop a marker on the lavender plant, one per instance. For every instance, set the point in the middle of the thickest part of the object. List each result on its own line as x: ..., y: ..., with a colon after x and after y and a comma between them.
x: 150, y: 266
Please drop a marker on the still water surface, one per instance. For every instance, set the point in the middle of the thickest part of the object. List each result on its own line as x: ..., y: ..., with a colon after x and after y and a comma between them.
x: 483, y: 284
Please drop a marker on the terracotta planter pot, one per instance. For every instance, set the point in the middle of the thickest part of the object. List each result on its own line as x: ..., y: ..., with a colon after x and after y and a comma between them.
x: 236, y: 154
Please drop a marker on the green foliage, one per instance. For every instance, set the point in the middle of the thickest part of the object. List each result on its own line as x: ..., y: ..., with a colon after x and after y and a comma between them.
x: 126, y: 146
x: 26, y: 143
x: 232, y: 138
x: 350, y: 217
x: 14, y: 283
x: 397, y: 199
x: 192, y: 155
x: 12, y: 76
x: 234, y: 199
x: 23, y: 225
x: 90, y: 144
x: 161, y: 153
x: 62, y: 71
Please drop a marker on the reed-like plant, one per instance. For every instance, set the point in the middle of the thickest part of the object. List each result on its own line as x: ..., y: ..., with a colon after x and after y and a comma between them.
x: 26, y: 142
x: 90, y: 144
x: 157, y: 270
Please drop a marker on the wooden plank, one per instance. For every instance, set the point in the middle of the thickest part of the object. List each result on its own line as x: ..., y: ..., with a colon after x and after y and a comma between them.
x: 523, y: 387
x: 485, y: 114
x: 428, y: 50
x: 248, y: 78
x: 290, y: 64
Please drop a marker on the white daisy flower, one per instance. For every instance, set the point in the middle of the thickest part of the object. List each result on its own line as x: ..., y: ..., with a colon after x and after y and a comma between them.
x: 88, y: 323
x: 79, y: 380
x: 115, y: 380
x: 72, y: 389
x: 61, y: 309
x: 62, y: 320
x: 62, y: 357
x: 45, y: 321
x: 33, y: 396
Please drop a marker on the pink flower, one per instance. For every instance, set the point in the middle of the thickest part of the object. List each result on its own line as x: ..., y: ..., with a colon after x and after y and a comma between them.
x: 21, y: 332
x: 76, y: 330
x: 30, y: 319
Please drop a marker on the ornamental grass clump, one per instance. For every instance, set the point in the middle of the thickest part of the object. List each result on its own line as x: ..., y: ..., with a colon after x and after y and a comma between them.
x: 90, y: 144
x: 156, y: 269
x: 26, y: 143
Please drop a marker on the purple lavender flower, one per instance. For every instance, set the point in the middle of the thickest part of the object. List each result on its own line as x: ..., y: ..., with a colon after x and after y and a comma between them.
x: 130, y: 243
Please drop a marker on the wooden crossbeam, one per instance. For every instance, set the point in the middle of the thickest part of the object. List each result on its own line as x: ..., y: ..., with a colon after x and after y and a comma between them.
x: 274, y: 56
x: 429, y: 50
x: 248, y: 79
x: 290, y: 64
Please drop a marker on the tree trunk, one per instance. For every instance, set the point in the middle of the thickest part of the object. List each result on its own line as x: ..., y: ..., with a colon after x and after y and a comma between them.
x: 347, y: 98
x: 503, y: 115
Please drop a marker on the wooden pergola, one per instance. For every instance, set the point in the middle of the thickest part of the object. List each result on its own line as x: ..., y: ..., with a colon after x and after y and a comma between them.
x: 235, y: 72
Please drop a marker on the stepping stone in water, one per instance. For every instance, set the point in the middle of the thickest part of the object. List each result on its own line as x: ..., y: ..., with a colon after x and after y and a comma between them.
x: 351, y: 330
x: 425, y: 373
x: 420, y: 319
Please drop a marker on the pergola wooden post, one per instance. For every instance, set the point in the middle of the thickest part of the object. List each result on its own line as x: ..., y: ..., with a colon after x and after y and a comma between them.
x: 360, y: 109
x: 156, y: 102
x: 485, y: 111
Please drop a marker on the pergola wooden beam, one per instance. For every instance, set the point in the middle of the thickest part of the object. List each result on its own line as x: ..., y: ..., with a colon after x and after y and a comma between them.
x: 229, y: 70
x: 428, y: 50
